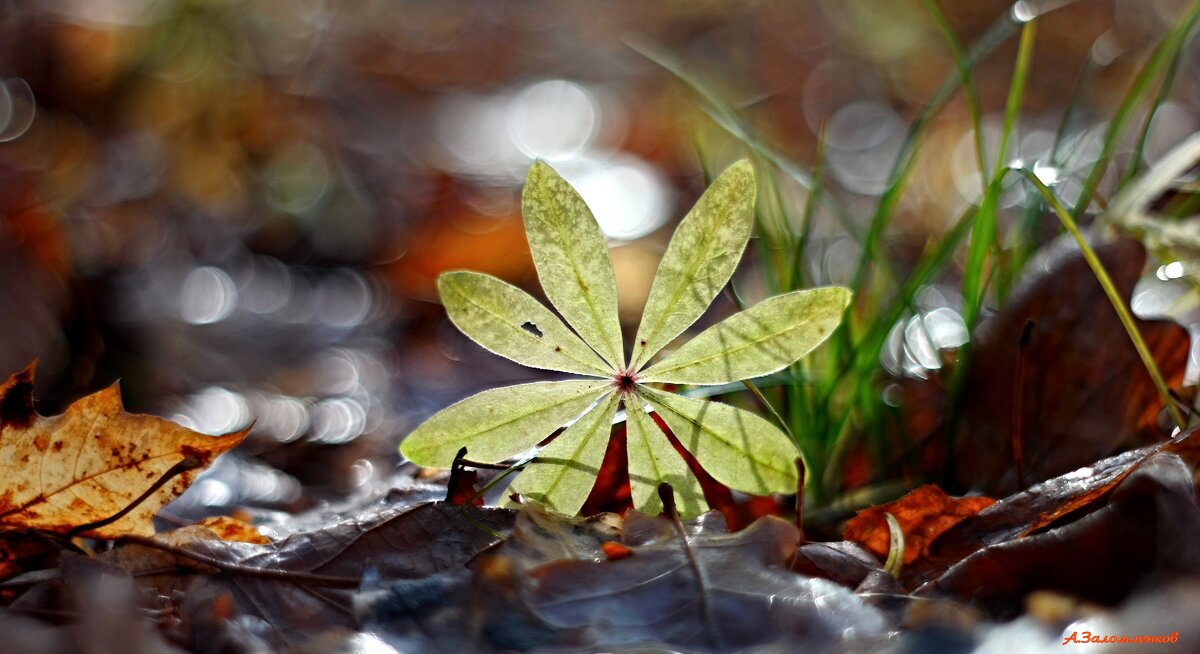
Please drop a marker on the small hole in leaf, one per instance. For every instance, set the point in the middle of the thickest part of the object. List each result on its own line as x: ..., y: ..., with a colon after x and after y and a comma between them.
x: 532, y: 329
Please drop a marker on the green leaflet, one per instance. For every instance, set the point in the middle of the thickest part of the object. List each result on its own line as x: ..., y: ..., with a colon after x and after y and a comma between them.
x: 501, y: 422
x: 562, y: 475
x: 572, y: 260
x: 701, y: 257
x: 738, y: 448
x: 767, y: 337
x: 653, y: 460
x: 494, y: 314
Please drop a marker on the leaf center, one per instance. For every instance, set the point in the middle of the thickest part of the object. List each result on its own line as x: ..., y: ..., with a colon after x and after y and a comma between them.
x: 625, y: 381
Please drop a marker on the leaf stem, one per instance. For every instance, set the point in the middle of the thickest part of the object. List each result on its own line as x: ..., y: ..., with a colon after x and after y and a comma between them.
x: 188, y: 463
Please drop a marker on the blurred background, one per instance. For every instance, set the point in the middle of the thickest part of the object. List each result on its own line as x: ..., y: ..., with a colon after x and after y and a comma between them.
x: 239, y: 208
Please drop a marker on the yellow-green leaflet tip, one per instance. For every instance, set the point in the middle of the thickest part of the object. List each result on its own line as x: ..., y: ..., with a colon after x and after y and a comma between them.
x: 847, y: 294
x: 538, y: 169
x: 448, y: 277
x: 743, y: 168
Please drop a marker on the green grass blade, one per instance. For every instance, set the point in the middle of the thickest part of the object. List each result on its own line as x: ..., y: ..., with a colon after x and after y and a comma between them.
x: 983, y: 235
x: 997, y: 33
x: 866, y: 353
x: 810, y: 209
x: 1165, y: 50
x: 762, y: 399
x: 966, y: 80
x: 728, y: 119
x: 1164, y: 90
x: 1128, y: 209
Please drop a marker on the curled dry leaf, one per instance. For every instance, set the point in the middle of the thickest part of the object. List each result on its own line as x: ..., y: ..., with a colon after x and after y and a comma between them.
x: 1043, y: 505
x: 95, y: 470
x: 1143, y: 536
x: 923, y: 515
x: 1084, y: 393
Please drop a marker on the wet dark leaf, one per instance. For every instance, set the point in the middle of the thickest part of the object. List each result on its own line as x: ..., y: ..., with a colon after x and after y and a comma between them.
x: 487, y: 611
x: 844, y: 562
x: 553, y: 584
x: 302, y: 585
x: 710, y: 591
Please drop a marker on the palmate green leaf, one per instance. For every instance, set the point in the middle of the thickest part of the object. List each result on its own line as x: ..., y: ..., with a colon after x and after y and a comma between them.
x: 652, y: 461
x: 767, y: 337
x: 736, y: 447
x: 501, y: 422
x: 562, y: 475
x: 502, y: 317
x: 702, y: 256
x: 572, y: 260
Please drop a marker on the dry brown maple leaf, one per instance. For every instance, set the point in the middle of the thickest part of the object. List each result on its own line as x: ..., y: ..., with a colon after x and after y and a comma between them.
x: 95, y: 470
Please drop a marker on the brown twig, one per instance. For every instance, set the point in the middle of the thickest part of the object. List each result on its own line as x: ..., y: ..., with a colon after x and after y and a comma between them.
x: 237, y: 568
x: 800, y: 497
x: 667, y: 496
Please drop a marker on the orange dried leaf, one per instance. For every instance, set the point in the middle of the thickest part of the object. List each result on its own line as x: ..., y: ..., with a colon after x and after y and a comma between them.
x: 615, y: 551
x: 923, y: 515
x: 234, y: 530
x: 95, y: 470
